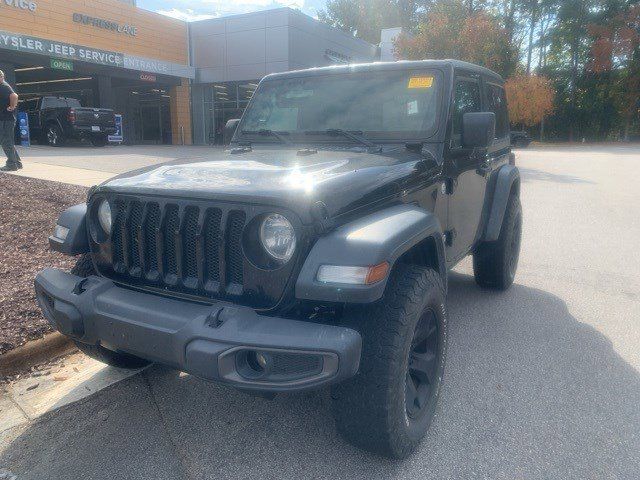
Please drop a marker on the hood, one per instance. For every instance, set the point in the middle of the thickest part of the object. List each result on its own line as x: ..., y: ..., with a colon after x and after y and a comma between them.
x: 342, y: 180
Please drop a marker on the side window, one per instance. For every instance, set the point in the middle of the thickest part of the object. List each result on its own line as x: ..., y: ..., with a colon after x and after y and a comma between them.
x: 497, y: 103
x: 467, y: 99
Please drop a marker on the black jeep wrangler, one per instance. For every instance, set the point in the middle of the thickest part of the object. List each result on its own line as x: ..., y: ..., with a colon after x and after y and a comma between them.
x: 314, y: 251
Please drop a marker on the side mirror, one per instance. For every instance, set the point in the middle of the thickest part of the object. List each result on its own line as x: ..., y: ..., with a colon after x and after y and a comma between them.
x: 230, y: 129
x: 478, y: 129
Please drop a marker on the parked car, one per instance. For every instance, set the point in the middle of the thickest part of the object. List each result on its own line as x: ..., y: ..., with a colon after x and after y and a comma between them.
x: 314, y: 251
x: 520, y: 138
x: 54, y: 120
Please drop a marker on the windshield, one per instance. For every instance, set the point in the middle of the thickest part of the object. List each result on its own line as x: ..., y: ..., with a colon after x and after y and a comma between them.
x: 391, y: 105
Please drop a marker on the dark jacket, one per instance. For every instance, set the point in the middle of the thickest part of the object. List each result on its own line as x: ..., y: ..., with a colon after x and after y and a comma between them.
x: 5, y: 92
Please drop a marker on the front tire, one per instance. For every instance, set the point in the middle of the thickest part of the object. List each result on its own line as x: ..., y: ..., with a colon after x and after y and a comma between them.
x: 84, y: 268
x: 495, y: 263
x: 389, y: 405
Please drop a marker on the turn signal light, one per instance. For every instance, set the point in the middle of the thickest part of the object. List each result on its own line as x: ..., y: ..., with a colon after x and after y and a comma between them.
x: 349, y: 275
x: 377, y: 273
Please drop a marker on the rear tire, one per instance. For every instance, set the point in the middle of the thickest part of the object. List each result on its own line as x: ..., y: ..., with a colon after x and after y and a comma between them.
x: 53, y: 135
x: 84, y: 268
x: 99, y: 140
x: 388, y: 406
x: 495, y: 263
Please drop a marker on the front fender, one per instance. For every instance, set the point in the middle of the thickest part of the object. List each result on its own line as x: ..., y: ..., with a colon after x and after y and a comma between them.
x: 382, y: 236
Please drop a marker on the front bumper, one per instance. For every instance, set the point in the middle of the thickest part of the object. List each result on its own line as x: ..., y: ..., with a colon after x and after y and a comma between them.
x: 209, y: 341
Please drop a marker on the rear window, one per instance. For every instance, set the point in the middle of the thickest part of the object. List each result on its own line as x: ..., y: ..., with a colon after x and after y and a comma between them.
x: 28, y: 105
x: 56, y: 102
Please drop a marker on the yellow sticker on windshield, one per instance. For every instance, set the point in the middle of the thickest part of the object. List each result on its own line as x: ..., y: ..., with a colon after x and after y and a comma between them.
x: 420, y: 82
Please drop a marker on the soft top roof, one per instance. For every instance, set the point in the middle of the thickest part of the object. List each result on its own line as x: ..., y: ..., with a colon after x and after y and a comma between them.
x: 384, y: 66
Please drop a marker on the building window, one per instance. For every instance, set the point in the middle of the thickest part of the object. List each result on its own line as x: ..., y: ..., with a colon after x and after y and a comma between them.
x: 223, y: 102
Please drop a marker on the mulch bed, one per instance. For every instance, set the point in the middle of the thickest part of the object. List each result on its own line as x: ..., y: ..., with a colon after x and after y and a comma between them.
x: 29, y: 209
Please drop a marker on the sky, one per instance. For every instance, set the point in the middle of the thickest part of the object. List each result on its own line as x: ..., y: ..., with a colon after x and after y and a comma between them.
x: 191, y: 10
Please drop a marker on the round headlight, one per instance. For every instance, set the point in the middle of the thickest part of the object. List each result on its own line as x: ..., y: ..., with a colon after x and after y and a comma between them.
x: 104, y: 216
x: 278, y: 237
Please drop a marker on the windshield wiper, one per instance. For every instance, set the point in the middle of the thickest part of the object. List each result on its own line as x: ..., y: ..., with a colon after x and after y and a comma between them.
x: 354, y: 135
x: 269, y: 133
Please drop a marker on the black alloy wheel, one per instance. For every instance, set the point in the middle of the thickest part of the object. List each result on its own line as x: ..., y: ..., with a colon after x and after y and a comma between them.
x: 514, y: 245
x: 423, y: 366
x: 54, y: 137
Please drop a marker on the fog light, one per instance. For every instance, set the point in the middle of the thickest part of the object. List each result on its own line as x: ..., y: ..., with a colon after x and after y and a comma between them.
x: 261, y: 359
x: 252, y: 364
x: 257, y: 361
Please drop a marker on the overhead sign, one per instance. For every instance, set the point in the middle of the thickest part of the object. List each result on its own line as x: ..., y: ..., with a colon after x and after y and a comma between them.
x: 106, y: 24
x: 58, y: 64
x: 68, y: 51
x: 20, y: 4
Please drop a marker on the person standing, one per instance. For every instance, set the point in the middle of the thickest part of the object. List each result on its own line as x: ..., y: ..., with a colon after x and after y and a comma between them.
x: 8, y: 106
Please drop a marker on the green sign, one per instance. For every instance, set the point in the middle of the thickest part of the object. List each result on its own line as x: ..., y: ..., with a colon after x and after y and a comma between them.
x: 58, y: 64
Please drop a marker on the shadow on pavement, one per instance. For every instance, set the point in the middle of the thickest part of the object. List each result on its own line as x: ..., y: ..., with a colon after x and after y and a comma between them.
x: 530, y: 175
x: 529, y: 392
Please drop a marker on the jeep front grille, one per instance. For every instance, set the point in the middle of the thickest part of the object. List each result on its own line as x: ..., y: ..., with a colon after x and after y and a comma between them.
x: 190, y: 248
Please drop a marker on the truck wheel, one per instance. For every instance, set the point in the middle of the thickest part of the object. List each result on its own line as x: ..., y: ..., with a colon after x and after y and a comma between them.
x: 388, y: 406
x: 99, y: 140
x: 495, y: 263
x: 84, y: 268
x: 54, y: 135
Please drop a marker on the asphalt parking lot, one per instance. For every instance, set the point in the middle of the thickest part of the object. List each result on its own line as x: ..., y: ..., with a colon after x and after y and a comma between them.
x: 542, y: 381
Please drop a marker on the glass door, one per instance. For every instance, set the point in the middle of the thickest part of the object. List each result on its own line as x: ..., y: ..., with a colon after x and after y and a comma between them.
x: 151, y: 124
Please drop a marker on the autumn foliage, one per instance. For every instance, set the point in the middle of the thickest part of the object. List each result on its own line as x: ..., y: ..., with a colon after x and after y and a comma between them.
x: 476, y: 38
x: 616, y: 48
x: 530, y: 99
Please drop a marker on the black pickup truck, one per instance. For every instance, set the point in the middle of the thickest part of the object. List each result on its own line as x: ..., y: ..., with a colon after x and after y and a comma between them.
x: 54, y: 120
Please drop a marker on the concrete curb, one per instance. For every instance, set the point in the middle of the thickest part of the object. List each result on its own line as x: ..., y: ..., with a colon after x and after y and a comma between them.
x: 33, y: 353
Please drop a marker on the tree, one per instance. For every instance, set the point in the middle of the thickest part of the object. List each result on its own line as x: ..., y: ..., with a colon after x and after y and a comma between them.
x: 616, y: 50
x: 366, y: 18
x: 452, y: 32
x: 530, y: 99
x: 587, y: 49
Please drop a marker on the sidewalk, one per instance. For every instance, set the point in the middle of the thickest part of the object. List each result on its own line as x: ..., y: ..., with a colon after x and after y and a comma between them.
x: 53, y: 385
x: 57, y: 173
x: 88, y: 166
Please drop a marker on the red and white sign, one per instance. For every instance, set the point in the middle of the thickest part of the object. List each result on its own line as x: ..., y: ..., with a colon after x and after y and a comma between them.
x: 148, y: 77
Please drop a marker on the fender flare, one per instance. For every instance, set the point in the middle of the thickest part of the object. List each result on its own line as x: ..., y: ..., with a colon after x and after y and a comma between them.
x: 77, y: 241
x: 506, y: 177
x: 382, y: 236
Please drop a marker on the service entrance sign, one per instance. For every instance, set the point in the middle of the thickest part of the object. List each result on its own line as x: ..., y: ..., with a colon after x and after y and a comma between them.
x: 71, y: 52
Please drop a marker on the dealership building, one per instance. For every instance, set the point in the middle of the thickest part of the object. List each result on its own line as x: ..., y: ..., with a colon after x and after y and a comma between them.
x: 173, y: 82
